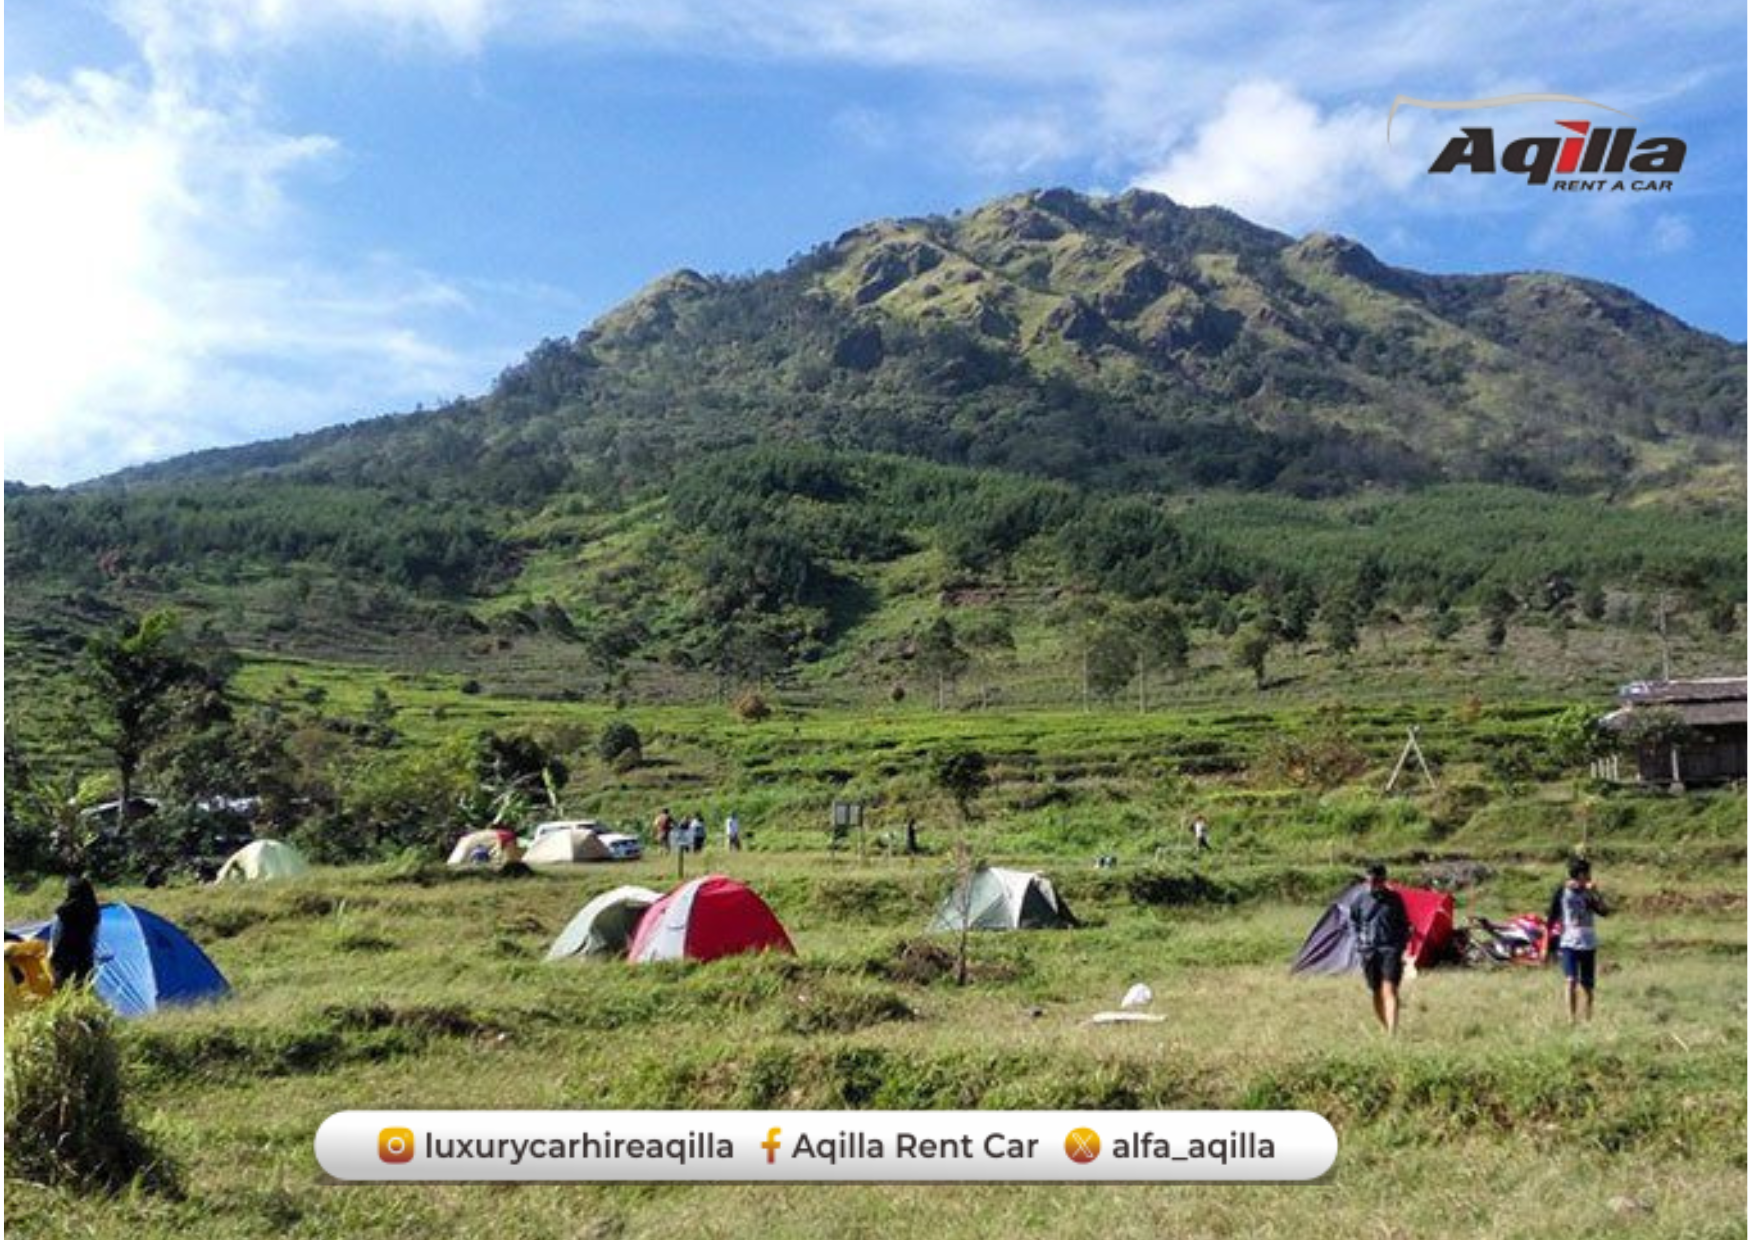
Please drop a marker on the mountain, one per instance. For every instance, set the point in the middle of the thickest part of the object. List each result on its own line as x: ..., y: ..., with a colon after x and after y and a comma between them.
x: 1125, y: 342
x: 1049, y: 413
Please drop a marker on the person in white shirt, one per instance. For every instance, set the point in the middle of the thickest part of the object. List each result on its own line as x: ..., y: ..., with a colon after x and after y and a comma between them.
x: 1576, y: 906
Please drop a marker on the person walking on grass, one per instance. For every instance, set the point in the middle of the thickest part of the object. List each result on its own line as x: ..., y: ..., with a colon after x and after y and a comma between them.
x: 1576, y: 905
x: 1199, y: 829
x: 1380, y: 921
x: 731, y: 831
x: 664, y: 824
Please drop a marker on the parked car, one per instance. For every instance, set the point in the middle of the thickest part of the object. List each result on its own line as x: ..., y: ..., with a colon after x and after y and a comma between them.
x: 562, y: 824
x: 623, y: 847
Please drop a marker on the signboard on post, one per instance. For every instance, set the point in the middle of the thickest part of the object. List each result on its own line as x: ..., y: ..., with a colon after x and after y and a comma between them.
x: 847, y: 817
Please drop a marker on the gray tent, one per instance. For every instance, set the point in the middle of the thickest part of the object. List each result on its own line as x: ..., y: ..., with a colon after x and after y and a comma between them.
x: 996, y: 899
x: 1332, y: 946
x: 605, y: 925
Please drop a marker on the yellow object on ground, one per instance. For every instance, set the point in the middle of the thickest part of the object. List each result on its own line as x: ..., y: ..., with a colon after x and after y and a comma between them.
x: 27, y: 975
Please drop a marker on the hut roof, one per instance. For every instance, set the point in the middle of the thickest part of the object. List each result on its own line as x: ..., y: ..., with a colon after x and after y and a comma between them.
x: 1719, y: 701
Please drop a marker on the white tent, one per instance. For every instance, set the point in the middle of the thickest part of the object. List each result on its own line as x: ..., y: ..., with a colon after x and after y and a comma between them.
x: 605, y: 925
x: 995, y: 899
x: 570, y: 845
x: 492, y: 847
x: 262, y: 861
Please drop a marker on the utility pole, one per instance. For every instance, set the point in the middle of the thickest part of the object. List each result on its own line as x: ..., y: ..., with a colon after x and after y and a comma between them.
x: 1663, y: 628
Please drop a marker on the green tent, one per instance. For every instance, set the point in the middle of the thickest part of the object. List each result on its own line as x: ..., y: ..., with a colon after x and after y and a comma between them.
x: 996, y: 899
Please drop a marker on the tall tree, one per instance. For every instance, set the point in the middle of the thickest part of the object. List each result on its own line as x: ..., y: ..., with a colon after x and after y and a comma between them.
x: 1251, y: 650
x: 1498, y: 608
x: 137, y: 678
x: 939, y: 654
x: 1341, y: 624
x: 963, y: 775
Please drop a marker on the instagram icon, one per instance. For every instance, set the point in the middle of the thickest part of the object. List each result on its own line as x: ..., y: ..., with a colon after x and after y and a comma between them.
x: 395, y: 1145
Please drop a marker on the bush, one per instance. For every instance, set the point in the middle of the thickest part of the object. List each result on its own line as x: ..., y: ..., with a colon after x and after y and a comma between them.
x: 751, y: 707
x: 619, y: 745
x: 66, y: 1117
x: 1321, y: 762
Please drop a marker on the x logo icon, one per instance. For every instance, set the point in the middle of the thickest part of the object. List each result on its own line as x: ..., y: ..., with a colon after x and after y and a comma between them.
x: 1082, y: 1145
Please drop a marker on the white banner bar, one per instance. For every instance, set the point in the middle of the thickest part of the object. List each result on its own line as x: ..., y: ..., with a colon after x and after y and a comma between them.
x: 826, y: 1146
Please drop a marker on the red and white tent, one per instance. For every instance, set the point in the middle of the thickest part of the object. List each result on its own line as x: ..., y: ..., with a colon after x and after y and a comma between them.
x: 706, y: 918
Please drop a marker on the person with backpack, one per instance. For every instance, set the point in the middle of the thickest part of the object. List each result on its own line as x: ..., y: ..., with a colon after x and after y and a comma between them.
x: 73, y: 942
x: 1380, y: 921
x: 1576, y: 905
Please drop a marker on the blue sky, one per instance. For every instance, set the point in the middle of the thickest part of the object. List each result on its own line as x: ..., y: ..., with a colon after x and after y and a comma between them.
x: 226, y: 220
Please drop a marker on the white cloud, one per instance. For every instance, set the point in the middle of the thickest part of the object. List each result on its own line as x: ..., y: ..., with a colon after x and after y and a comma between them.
x: 1022, y: 143
x: 164, y: 289
x: 1670, y: 234
x: 1276, y: 158
x: 173, y: 32
x: 158, y: 298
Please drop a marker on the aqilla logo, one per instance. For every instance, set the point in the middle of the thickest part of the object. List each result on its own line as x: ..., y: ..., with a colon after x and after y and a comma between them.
x: 1594, y: 151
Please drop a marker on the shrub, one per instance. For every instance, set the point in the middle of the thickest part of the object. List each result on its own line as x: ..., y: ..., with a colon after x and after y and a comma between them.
x: 1321, y: 762
x: 620, y: 745
x: 751, y: 707
x: 66, y: 1116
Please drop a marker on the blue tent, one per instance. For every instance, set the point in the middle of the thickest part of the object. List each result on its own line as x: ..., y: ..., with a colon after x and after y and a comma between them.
x: 145, y: 962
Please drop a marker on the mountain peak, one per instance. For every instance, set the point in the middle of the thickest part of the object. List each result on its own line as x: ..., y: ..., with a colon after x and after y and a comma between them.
x: 651, y: 310
x: 1135, y: 341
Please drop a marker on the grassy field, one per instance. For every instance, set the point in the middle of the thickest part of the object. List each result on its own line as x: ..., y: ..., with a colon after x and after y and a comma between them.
x: 404, y: 986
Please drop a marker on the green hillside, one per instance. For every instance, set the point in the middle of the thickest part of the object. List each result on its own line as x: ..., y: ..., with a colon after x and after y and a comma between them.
x: 1054, y: 451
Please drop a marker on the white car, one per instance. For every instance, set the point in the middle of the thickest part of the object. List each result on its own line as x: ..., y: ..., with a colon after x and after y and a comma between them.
x: 563, y: 824
x: 623, y: 847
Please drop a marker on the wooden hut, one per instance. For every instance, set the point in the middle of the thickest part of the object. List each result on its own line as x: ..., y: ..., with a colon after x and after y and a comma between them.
x: 1684, y: 733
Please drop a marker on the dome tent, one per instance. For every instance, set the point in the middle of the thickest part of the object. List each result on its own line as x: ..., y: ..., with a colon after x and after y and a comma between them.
x: 493, y: 847
x: 996, y: 899
x: 144, y: 962
x: 605, y: 925
x: 262, y: 861
x: 1333, y: 944
x: 567, y: 846
x: 705, y: 919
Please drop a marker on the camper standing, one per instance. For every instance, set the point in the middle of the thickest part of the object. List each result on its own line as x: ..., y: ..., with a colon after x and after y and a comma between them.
x: 1576, y: 906
x: 73, y: 942
x: 1381, y: 926
x: 731, y: 830
x: 664, y: 823
x: 1199, y: 829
